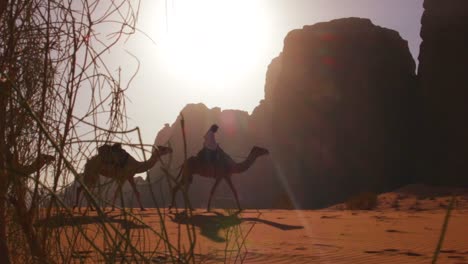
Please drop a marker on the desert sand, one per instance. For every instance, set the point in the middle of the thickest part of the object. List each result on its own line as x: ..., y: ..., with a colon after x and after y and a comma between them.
x: 406, y: 231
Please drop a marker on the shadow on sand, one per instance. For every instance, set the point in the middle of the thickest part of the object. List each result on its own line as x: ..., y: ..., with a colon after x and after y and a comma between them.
x: 210, y: 225
x: 68, y: 220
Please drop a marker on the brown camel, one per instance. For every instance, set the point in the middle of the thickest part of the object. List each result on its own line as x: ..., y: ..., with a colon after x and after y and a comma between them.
x: 36, y: 165
x: 17, y: 173
x: 223, y: 169
x: 97, y: 165
x: 17, y: 181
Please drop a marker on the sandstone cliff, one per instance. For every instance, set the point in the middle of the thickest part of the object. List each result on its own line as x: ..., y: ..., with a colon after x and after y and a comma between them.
x: 341, y: 110
x: 443, y: 62
x: 343, y: 113
x: 337, y: 117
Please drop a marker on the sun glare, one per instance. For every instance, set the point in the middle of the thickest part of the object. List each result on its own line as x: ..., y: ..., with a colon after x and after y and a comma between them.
x: 213, y: 40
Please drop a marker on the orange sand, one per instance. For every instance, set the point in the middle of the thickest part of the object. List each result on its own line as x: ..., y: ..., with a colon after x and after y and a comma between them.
x: 407, y: 234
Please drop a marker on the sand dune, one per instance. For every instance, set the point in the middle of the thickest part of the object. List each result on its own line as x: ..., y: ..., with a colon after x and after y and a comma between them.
x: 407, y: 234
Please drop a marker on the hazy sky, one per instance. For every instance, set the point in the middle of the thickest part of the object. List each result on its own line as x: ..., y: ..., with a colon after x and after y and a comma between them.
x: 217, y: 52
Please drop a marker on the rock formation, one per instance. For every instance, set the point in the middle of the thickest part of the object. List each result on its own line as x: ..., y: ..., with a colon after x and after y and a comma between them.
x: 341, y: 108
x: 343, y: 113
x: 237, y: 134
x: 337, y: 117
x: 443, y: 62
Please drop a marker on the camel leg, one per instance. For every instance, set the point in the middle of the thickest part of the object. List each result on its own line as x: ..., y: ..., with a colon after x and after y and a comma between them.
x: 79, y: 189
x: 88, y: 199
x: 77, y: 198
x: 117, y: 191
x: 185, y: 191
x: 218, y: 180
x: 233, y: 189
x: 137, y: 193
x: 182, y: 184
x: 174, y: 192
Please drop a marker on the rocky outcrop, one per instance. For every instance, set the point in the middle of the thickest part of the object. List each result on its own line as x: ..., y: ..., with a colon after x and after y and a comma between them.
x: 260, y: 122
x: 341, y: 108
x: 337, y: 117
x: 443, y: 62
x: 343, y: 113
x: 238, y: 133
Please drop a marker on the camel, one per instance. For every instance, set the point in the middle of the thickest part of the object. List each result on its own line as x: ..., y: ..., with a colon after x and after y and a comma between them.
x: 17, y: 180
x: 18, y: 172
x: 220, y: 170
x: 36, y: 165
x: 96, y: 166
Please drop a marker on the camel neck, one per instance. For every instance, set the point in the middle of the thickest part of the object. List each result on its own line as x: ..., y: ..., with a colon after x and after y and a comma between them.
x: 244, y: 165
x: 146, y: 165
x: 31, y: 168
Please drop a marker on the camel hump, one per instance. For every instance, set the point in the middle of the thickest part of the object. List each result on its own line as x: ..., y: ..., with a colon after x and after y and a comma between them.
x: 214, y: 157
x: 225, y: 157
x: 113, y: 154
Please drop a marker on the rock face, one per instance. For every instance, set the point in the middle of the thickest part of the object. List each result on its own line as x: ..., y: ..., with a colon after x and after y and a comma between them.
x: 341, y: 111
x: 338, y: 116
x: 238, y: 133
x: 442, y: 72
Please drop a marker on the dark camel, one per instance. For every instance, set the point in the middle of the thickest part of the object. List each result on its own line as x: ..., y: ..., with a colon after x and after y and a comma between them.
x: 223, y: 169
x: 96, y: 166
x: 17, y: 177
x: 36, y: 165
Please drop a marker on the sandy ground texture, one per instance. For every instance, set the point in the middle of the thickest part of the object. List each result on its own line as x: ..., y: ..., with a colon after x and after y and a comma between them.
x: 404, y: 228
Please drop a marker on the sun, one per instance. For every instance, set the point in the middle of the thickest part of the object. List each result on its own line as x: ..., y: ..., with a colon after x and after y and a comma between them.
x: 213, y: 40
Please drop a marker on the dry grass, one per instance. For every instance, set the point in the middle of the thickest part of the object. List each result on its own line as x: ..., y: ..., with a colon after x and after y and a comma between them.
x: 59, y: 97
x: 51, y: 63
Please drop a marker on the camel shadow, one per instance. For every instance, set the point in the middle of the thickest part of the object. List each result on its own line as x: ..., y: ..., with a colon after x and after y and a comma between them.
x: 58, y: 221
x: 211, y: 225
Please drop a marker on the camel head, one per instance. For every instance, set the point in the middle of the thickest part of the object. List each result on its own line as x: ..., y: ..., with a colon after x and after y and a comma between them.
x: 258, y: 151
x: 162, y: 150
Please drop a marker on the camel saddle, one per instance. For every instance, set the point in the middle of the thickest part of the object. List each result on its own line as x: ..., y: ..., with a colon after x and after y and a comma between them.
x: 212, y: 158
x: 113, y: 155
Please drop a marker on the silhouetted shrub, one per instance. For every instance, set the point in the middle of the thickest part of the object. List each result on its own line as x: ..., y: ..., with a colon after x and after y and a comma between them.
x: 362, y: 201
